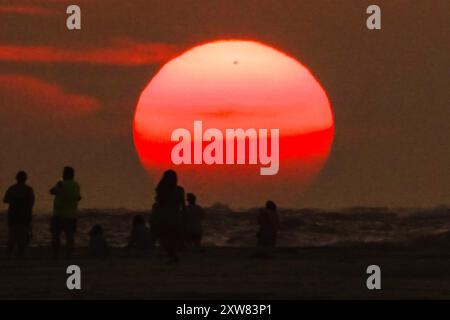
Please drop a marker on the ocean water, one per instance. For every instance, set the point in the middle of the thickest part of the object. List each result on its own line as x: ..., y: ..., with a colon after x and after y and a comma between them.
x: 301, y: 227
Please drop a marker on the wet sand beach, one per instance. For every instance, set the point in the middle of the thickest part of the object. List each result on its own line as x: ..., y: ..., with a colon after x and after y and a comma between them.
x: 235, y: 273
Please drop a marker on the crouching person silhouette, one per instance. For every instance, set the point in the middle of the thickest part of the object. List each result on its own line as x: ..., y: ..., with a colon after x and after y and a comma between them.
x: 140, y: 237
x: 20, y: 198
x: 65, y: 208
x: 98, y: 246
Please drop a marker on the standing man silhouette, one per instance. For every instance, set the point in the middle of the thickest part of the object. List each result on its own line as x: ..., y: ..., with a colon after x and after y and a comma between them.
x: 268, y: 221
x: 194, y: 215
x: 20, y: 198
x: 65, y: 208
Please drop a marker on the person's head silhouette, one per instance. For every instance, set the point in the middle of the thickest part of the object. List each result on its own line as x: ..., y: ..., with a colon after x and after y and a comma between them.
x: 166, y: 185
x: 96, y: 230
x: 270, y: 205
x: 21, y: 177
x: 68, y: 173
x: 169, y: 178
x: 191, y: 198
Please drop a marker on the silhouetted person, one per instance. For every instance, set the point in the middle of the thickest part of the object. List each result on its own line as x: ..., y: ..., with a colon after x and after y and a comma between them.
x: 140, y: 235
x: 65, y: 209
x: 193, y: 216
x: 20, y: 198
x: 171, y: 205
x: 268, y: 225
x: 98, y: 246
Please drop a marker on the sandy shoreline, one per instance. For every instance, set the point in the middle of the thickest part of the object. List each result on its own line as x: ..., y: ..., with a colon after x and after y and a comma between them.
x: 234, y: 273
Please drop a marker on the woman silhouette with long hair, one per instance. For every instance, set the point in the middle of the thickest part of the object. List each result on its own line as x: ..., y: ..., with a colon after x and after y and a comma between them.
x: 170, y: 204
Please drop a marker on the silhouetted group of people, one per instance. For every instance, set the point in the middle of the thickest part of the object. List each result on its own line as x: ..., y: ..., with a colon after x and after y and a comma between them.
x: 173, y: 224
x: 20, y: 198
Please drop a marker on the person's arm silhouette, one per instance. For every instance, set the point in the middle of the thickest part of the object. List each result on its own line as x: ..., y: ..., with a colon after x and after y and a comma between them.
x: 7, y: 197
x: 54, y: 191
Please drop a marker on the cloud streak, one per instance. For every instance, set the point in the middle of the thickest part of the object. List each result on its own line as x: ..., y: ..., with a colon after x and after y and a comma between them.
x: 29, y: 10
x: 28, y: 96
x: 123, y: 52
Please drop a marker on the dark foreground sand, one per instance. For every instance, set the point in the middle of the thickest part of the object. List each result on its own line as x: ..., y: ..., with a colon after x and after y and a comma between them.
x: 235, y: 273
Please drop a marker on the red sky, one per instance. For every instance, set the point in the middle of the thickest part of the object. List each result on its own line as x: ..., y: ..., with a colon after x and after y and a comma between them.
x: 69, y: 97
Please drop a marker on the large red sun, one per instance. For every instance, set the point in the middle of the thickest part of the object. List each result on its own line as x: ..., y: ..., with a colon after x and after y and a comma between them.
x: 237, y: 84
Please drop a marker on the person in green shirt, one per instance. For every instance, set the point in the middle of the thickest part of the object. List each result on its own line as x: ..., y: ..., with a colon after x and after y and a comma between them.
x: 65, y: 208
